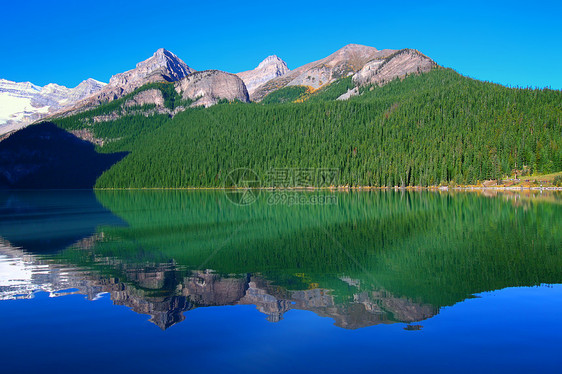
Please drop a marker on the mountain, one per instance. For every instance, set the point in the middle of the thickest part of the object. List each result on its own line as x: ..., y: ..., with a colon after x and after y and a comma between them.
x: 423, y: 130
x: 85, y: 89
x: 342, y: 63
x: 163, y: 66
x: 202, y: 88
x: 177, y: 87
x: 157, y: 101
x: 206, y: 88
x: 23, y: 103
x: 383, y: 70
x: 270, y: 68
x: 406, y: 121
x: 399, y: 64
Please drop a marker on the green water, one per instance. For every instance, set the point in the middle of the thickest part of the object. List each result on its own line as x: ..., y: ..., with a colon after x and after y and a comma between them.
x: 431, y: 248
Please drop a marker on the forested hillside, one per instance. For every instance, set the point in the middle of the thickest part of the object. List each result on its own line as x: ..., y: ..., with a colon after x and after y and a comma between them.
x: 427, y: 129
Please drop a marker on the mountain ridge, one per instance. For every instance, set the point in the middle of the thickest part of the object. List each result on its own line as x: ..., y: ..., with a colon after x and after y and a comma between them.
x: 22, y: 103
x: 420, y: 130
x: 162, y: 66
x: 343, y: 62
x: 405, y: 121
x: 270, y: 75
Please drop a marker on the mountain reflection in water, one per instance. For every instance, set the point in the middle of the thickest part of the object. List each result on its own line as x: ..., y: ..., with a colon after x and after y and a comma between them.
x: 165, y: 293
x: 374, y: 258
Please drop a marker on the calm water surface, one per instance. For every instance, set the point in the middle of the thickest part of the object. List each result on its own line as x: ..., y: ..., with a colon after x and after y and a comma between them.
x: 138, y: 281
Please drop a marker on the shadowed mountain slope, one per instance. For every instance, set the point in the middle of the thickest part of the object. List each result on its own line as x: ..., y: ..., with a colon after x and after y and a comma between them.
x: 45, y: 156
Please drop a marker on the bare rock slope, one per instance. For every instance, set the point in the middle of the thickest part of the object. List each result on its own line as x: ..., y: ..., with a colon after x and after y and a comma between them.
x: 270, y: 68
x: 208, y: 87
x: 152, y: 96
x: 342, y: 63
x: 398, y: 65
x: 381, y: 71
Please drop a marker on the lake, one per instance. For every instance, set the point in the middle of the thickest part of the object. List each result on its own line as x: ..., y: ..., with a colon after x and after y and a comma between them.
x: 280, y: 281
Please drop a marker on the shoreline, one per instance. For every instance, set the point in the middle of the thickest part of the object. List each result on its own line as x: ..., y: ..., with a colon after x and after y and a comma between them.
x: 342, y: 188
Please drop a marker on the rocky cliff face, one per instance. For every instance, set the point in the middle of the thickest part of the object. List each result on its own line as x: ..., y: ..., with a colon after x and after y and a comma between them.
x: 208, y: 87
x: 23, y: 103
x: 398, y: 65
x: 270, y: 68
x: 348, y: 60
x: 152, y: 96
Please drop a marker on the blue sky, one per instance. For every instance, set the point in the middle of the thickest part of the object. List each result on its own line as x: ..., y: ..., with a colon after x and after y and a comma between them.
x: 509, y: 42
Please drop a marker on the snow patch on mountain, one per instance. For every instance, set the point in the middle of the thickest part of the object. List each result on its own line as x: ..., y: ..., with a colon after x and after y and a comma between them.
x: 22, y: 103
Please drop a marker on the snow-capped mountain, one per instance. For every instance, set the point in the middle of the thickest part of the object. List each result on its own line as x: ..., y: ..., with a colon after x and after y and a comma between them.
x: 22, y: 103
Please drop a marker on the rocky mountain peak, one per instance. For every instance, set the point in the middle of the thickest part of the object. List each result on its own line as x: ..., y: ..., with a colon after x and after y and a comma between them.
x: 93, y: 82
x: 164, y: 59
x: 271, y: 60
x: 271, y: 67
x: 357, y: 47
x: 90, y: 82
x: 162, y: 52
x: 397, y: 65
x: 86, y: 88
x: 354, y: 56
x: 162, y: 66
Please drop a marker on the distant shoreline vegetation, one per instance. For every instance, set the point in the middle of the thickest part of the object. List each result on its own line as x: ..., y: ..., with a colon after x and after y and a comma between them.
x: 433, y: 129
x: 347, y: 188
